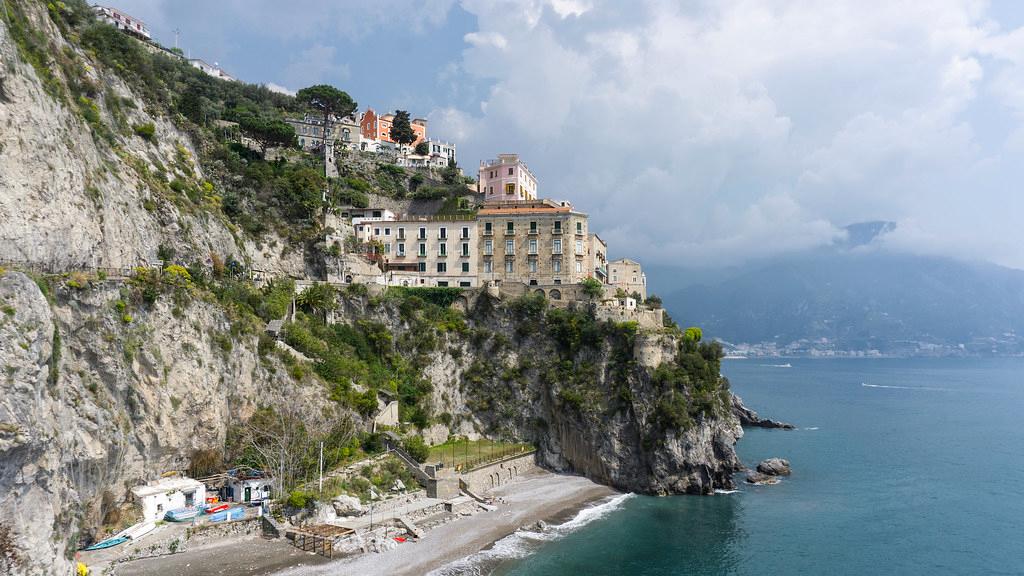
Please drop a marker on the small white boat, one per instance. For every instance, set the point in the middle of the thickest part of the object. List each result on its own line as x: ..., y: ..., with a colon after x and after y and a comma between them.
x: 138, y: 531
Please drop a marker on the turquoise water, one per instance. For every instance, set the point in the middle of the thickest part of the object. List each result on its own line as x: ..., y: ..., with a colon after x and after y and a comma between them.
x: 900, y: 467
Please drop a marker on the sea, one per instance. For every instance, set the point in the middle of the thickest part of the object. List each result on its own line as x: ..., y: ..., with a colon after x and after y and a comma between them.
x: 900, y: 466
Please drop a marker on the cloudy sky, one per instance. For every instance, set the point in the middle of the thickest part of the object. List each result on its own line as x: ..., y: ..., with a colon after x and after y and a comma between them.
x: 693, y: 132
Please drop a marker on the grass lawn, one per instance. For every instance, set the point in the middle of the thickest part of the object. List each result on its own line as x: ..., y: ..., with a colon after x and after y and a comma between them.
x: 468, y: 454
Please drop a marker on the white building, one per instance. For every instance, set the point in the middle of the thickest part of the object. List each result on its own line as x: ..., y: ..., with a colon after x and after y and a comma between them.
x: 158, y: 497
x: 248, y: 490
x: 432, y: 251
x: 310, y: 132
x: 212, y: 69
x: 373, y: 224
x: 506, y: 178
x: 122, y: 21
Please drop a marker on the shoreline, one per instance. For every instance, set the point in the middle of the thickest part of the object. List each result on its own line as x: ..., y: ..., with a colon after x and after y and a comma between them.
x: 541, y: 496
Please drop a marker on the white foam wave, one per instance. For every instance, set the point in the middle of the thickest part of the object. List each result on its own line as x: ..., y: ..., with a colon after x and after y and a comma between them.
x: 810, y: 428
x: 925, y: 388
x: 524, y: 542
x: 786, y: 365
x: 726, y: 491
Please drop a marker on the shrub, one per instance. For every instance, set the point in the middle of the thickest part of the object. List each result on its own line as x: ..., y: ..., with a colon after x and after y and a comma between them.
x: 300, y: 500
x: 145, y: 131
x: 417, y: 448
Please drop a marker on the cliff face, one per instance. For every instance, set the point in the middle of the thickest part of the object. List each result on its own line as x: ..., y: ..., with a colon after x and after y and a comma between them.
x: 91, y: 405
x: 597, y: 408
x: 77, y: 190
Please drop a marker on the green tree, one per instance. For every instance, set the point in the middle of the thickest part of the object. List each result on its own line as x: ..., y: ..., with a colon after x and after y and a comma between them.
x: 417, y: 448
x: 304, y: 186
x: 693, y: 334
x: 423, y: 149
x: 450, y: 175
x: 267, y: 132
x: 401, y: 128
x: 592, y: 288
x: 318, y: 298
x: 331, y: 103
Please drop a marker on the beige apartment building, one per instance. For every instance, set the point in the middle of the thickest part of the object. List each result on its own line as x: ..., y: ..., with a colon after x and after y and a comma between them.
x: 431, y: 251
x: 599, y: 258
x: 628, y: 275
x: 538, y: 243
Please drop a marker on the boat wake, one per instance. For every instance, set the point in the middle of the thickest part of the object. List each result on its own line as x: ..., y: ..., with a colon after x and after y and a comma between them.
x: 726, y: 491
x: 810, y: 428
x: 924, y: 388
x: 786, y: 365
x: 524, y: 542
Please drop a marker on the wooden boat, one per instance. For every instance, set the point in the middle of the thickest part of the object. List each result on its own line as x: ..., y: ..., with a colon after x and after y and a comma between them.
x: 219, y: 507
x: 108, y: 543
x: 182, y: 514
x: 228, y: 515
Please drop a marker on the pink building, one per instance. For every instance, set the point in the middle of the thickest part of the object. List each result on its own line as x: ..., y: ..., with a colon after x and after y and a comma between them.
x: 506, y: 178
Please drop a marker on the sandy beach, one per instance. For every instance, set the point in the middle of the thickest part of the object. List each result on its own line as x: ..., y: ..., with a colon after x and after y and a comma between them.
x: 539, y: 496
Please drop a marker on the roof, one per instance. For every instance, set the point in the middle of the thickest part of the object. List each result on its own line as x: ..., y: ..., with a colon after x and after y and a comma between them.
x: 544, y: 206
x: 166, y: 485
x: 626, y: 261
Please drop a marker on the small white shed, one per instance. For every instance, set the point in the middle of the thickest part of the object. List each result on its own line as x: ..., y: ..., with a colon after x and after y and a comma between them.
x: 248, y: 490
x: 158, y: 497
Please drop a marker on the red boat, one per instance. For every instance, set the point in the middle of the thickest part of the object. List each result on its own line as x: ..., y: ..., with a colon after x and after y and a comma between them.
x: 219, y: 507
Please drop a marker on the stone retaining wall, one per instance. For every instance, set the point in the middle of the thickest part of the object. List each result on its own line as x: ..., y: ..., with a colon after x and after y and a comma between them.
x: 486, y: 478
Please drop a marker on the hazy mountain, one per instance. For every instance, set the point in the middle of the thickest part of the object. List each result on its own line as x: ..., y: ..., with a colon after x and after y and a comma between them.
x: 858, y: 298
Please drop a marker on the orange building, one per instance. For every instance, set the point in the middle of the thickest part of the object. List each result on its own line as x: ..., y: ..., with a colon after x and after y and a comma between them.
x: 378, y: 127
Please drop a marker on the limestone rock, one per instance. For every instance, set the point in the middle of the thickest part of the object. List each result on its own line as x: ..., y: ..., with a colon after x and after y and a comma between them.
x: 750, y: 419
x: 345, y: 505
x: 774, y: 467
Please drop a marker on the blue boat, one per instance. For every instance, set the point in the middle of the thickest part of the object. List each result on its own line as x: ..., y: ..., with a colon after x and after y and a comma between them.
x: 108, y: 543
x: 182, y: 514
x: 228, y: 515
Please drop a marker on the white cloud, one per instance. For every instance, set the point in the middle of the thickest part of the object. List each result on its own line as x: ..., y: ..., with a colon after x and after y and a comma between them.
x: 726, y: 130
x: 315, y: 65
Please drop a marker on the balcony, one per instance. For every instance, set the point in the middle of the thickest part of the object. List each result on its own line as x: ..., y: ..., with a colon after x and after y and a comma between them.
x: 556, y: 231
x: 510, y: 232
x: 556, y: 251
x: 464, y: 255
x: 488, y: 232
x: 533, y: 232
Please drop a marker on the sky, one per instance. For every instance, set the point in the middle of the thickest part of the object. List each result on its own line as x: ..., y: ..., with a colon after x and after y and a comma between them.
x: 694, y: 133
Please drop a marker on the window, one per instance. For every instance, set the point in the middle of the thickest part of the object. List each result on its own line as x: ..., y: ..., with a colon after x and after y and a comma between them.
x: 442, y: 233
x: 465, y: 266
x: 579, y: 247
x: 423, y: 233
x: 465, y: 232
x: 465, y: 284
x: 387, y: 247
x: 510, y: 171
x: 401, y: 249
x: 423, y: 249
x: 465, y: 248
x: 510, y: 188
x: 533, y: 227
x: 558, y: 226
x: 556, y: 265
x: 442, y: 249
x: 509, y: 265
x: 422, y: 267
x: 533, y: 245
x: 401, y: 233
x: 488, y: 266
x: 442, y: 267
x: 488, y: 247
x: 579, y: 266
x: 439, y: 283
x: 510, y: 227
x: 579, y: 227
x: 387, y: 231
x: 376, y: 214
x: 533, y: 265
x: 487, y: 228
x: 556, y: 246
x: 510, y: 246
x: 376, y: 231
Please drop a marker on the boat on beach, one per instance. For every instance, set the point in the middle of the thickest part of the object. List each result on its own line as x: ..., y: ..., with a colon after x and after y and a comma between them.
x: 217, y: 507
x: 228, y: 515
x: 108, y: 543
x: 137, y: 531
x: 182, y: 514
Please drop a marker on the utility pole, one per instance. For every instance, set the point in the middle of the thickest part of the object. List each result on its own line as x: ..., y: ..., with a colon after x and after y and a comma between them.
x: 177, y: 31
x: 321, y: 468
